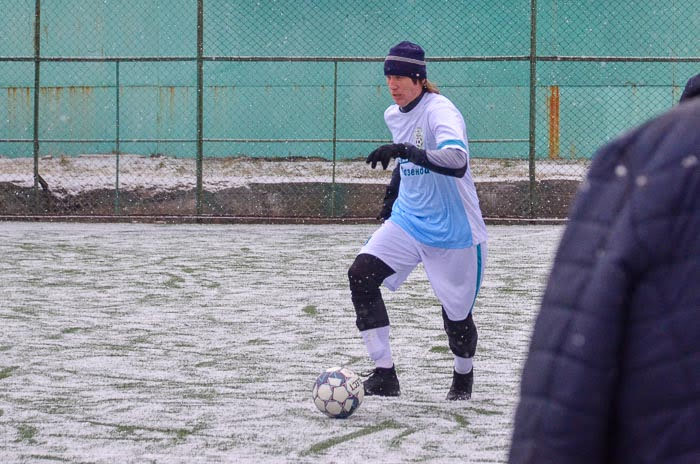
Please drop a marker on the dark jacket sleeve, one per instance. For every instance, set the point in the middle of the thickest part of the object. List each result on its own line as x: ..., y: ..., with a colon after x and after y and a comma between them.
x: 392, y: 191
x: 612, y: 373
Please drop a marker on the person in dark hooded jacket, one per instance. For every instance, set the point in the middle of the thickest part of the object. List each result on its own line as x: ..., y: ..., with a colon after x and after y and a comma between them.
x: 613, y: 370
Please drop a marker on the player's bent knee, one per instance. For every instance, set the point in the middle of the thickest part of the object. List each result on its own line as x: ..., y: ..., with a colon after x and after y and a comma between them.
x: 461, y: 335
x: 366, y: 275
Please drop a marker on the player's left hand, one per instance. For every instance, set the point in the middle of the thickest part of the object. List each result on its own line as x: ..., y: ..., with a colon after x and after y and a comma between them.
x: 385, y: 153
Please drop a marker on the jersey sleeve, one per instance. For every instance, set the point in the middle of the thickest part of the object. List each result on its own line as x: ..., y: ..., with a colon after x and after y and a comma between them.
x: 447, y: 124
x: 451, y: 151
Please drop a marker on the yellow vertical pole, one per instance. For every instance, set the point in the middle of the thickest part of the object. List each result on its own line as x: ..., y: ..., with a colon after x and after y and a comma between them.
x: 553, y: 104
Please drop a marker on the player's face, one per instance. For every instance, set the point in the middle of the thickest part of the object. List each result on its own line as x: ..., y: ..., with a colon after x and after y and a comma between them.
x: 403, y: 90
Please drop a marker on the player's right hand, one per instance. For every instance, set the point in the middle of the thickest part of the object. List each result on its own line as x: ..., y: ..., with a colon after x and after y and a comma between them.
x: 385, y: 153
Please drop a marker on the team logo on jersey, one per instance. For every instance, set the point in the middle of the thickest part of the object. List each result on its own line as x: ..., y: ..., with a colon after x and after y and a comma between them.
x: 418, y: 137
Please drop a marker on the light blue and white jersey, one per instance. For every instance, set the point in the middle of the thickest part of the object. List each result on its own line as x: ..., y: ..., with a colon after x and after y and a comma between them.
x: 437, y: 210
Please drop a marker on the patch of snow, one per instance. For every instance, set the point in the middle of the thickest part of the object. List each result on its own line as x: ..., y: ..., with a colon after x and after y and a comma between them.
x: 71, y: 175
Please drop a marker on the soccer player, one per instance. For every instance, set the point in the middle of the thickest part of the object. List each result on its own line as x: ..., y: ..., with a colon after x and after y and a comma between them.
x: 432, y: 215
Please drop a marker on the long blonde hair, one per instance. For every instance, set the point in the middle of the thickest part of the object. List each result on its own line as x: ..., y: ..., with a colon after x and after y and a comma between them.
x: 430, y: 87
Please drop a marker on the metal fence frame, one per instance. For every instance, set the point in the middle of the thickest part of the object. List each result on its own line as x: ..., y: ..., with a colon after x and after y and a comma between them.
x: 533, y: 58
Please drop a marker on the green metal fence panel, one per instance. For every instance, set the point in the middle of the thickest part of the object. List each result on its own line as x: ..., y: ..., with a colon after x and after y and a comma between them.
x: 119, y: 28
x: 17, y: 26
x: 365, y: 28
x: 624, y: 28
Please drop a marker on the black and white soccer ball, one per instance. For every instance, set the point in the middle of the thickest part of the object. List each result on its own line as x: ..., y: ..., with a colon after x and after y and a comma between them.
x: 338, y: 392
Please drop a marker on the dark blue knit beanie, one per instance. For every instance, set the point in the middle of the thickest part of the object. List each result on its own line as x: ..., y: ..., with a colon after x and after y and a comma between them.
x: 405, y: 59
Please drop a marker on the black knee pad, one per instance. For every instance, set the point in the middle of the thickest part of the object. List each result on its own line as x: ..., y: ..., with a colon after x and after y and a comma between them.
x: 461, y: 335
x: 366, y: 275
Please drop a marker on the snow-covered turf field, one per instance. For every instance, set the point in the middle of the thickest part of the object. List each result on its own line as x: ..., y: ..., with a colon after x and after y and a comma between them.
x: 200, y: 344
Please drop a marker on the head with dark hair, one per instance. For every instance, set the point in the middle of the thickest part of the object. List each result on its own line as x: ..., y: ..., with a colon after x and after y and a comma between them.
x: 407, y: 59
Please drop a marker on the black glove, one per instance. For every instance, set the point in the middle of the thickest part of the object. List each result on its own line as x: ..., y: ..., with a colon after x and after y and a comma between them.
x: 413, y: 154
x: 385, y: 153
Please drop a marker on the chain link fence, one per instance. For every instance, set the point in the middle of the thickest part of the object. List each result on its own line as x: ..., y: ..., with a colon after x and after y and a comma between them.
x: 213, y: 108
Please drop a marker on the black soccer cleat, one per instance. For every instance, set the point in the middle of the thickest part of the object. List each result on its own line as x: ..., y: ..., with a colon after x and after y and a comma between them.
x: 382, y: 382
x: 461, y: 388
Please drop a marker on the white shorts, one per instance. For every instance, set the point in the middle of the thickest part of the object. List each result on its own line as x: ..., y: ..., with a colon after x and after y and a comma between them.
x: 454, y: 274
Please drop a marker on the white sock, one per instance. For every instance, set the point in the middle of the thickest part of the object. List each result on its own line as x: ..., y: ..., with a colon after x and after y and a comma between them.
x: 463, y: 365
x: 377, y: 343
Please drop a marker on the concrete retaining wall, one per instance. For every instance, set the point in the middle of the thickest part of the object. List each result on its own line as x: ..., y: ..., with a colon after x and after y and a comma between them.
x: 284, y: 200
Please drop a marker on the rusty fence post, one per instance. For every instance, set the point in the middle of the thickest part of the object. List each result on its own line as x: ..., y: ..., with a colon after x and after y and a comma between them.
x: 553, y: 108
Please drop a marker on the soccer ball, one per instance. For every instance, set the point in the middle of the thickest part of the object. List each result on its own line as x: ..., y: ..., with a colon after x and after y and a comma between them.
x: 338, y: 392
